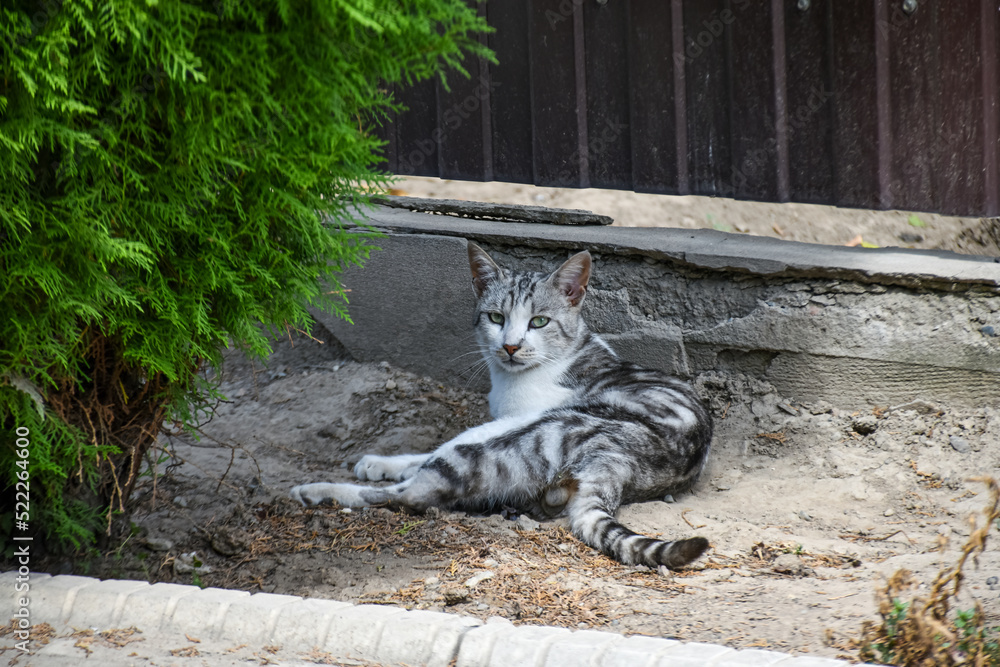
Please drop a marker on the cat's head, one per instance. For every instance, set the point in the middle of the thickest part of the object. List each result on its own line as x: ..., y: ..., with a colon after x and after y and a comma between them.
x: 524, y: 320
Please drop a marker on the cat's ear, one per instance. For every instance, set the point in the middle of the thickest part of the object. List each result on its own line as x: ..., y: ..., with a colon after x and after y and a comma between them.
x: 484, y: 269
x: 571, y: 278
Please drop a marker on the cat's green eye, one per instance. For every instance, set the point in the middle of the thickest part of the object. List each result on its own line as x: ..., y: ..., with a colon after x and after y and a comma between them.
x: 496, y: 318
x: 539, y: 321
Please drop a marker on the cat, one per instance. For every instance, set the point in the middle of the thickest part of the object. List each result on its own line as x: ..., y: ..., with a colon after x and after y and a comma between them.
x: 576, y: 430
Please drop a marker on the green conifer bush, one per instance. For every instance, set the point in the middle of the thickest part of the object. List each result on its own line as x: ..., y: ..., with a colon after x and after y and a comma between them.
x: 173, y: 175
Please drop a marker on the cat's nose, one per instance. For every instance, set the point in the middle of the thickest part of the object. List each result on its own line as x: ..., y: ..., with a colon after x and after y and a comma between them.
x: 511, y: 349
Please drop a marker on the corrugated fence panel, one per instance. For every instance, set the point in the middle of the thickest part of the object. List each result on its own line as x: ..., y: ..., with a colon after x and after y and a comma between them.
x: 855, y: 103
x: 961, y: 145
x: 558, y: 103
x: 862, y: 103
x: 608, y: 145
x: 756, y: 145
x: 809, y: 100
x: 706, y: 78
x: 511, y: 92
x: 652, y: 120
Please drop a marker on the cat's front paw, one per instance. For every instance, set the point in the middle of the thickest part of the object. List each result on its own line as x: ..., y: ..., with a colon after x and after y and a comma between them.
x: 374, y: 468
x: 323, y: 493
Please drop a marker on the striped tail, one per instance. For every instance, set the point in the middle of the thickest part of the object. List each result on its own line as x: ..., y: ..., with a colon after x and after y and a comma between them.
x: 597, y: 527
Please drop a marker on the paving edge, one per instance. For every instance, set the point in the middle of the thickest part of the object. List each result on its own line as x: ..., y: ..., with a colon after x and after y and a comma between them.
x: 377, y: 633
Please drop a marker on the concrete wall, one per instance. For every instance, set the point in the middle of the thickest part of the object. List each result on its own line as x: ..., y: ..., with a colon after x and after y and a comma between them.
x: 852, y: 326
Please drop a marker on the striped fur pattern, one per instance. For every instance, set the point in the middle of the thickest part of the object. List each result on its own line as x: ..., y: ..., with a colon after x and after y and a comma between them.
x: 576, y: 430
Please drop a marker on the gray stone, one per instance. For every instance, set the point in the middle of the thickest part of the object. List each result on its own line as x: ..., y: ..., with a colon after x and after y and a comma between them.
x: 792, y: 565
x: 159, y: 543
x: 526, y: 523
x: 960, y: 445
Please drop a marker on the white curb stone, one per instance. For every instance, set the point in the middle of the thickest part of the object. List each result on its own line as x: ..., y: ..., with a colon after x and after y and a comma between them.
x: 527, y: 645
x: 423, y: 638
x: 478, y: 643
x: 355, y: 631
x: 637, y: 652
x: 307, y: 623
x: 751, y: 658
x: 220, y: 623
x: 693, y: 655
x: 584, y: 648
x: 100, y: 606
x: 8, y: 581
x: 809, y: 661
x: 202, y: 614
x: 52, y: 598
x: 151, y: 606
x: 254, y: 619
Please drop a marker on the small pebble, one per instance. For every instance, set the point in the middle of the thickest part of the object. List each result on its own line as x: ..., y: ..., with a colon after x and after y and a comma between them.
x: 888, y: 512
x: 489, y: 562
x: 181, y: 501
x: 346, y: 510
x: 910, y: 237
x: 804, y: 516
x: 431, y: 581
x: 989, y: 331
x: 526, y: 523
x: 992, y: 583
x: 477, y: 578
x: 960, y: 445
x: 163, y: 544
x: 668, y: 498
x: 390, y: 385
x: 383, y: 364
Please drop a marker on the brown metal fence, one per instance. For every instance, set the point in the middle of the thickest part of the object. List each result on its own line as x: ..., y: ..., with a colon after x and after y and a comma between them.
x: 861, y: 103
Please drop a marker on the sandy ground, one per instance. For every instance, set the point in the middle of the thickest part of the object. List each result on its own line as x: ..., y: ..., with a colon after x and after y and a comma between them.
x: 807, y: 508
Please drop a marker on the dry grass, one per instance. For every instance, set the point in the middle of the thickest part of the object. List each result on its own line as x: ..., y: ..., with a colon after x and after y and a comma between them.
x: 922, y: 632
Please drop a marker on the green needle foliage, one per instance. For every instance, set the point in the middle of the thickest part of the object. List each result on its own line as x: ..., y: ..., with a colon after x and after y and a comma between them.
x: 173, y: 175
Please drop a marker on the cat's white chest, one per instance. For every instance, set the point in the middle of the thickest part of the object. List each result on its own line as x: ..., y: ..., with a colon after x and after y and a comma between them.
x: 536, y: 390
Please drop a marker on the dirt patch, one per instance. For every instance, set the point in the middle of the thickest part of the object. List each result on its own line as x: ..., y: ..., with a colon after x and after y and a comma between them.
x: 807, y: 508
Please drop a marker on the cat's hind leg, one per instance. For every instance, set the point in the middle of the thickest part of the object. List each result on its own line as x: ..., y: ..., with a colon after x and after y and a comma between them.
x: 374, y: 468
x: 591, y: 513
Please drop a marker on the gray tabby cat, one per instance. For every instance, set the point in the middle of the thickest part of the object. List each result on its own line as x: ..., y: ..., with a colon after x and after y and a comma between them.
x: 576, y: 431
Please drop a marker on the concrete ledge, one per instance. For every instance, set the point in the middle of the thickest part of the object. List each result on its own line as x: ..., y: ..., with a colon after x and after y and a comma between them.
x: 216, y: 625
x: 709, y: 249
x: 852, y: 326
